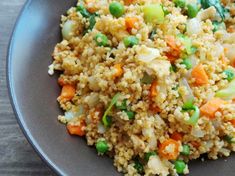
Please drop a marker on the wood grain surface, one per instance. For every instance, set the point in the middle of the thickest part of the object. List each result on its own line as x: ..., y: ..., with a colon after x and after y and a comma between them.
x: 16, y: 155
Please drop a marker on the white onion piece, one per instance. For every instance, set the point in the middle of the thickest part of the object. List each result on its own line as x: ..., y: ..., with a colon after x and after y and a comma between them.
x: 101, y: 129
x: 137, y: 142
x: 51, y: 69
x: 93, y: 83
x: 146, y: 54
x: 160, y: 67
x: 152, y: 143
x: 208, y: 145
x: 92, y: 99
x: 80, y: 111
x: 209, y: 13
x: 189, y: 96
x: 194, y: 26
x: 197, y: 132
x: 68, y: 29
x: 148, y: 132
x: 69, y: 115
x: 157, y: 166
x: 193, y: 60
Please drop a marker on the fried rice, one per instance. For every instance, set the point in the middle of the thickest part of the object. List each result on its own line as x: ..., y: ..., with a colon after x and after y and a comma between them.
x: 149, y: 83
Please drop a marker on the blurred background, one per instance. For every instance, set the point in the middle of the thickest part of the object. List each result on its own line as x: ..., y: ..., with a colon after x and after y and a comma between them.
x: 16, y: 155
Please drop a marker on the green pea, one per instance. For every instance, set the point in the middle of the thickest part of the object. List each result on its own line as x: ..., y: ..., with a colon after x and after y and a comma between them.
x: 116, y: 9
x: 192, y: 10
x: 101, y: 146
x: 180, y: 166
x: 180, y: 3
x: 186, y: 150
x: 130, y: 114
x: 130, y: 41
x: 188, y: 63
x: 148, y: 155
x: 230, y: 74
x: 122, y: 106
x: 139, y: 167
x: 101, y: 40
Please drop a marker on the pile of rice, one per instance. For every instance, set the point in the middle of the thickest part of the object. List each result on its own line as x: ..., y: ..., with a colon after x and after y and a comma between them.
x: 92, y: 71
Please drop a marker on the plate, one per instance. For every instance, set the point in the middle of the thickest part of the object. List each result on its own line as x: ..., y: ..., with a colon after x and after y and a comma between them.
x: 33, y: 95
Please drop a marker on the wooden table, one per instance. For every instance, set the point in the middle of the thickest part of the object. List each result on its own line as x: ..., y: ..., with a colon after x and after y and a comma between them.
x: 16, y: 155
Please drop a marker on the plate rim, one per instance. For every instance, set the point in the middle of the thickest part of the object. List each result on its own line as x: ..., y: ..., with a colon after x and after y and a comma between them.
x: 13, y: 101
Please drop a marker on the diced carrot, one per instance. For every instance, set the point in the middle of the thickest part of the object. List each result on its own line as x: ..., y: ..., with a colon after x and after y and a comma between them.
x: 176, y: 136
x: 153, y: 89
x: 200, y: 76
x: 128, y: 2
x: 209, y: 109
x: 96, y: 115
x: 61, y: 81
x: 195, y: 144
x: 232, y: 62
x: 225, y: 49
x: 233, y: 100
x: 154, y: 108
x: 78, y: 130
x: 119, y: 70
x: 171, y: 42
x: 175, y: 51
x: 231, y: 29
x: 231, y: 11
x: 91, y: 9
x: 90, y: 5
x: 67, y: 92
x: 169, y: 149
x: 232, y: 122
x: 130, y: 23
x: 171, y: 57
